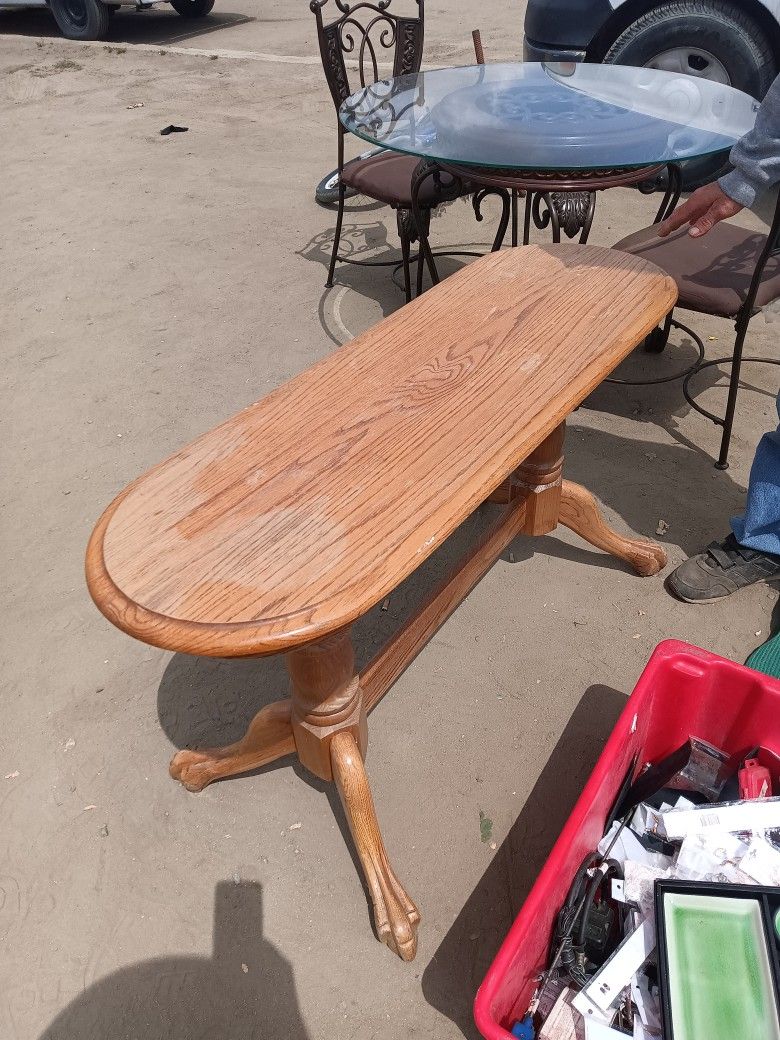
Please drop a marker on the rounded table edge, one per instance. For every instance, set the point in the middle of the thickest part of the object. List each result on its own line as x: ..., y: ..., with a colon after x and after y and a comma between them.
x: 176, y: 635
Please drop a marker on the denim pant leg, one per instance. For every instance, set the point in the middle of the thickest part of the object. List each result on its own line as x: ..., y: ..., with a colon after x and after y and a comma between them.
x: 759, y: 528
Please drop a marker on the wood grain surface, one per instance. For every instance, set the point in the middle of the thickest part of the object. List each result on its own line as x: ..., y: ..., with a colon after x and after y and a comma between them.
x: 395, y: 915
x: 297, y: 515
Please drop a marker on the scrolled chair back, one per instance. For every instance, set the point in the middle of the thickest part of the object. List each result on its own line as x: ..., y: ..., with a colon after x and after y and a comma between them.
x: 365, y: 35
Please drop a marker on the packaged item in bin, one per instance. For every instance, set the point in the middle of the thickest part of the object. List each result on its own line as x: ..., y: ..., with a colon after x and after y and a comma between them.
x: 706, y: 770
x: 761, y: 862
x: 711, y: 857
x: 734, y: 817
x: 564, y: 1021
x: 755, y: 780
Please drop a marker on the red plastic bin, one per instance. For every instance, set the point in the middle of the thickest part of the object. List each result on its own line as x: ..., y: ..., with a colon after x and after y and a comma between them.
x: 683, y: 691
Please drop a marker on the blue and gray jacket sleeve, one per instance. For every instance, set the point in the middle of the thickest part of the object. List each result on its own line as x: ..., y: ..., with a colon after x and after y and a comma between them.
x: 756, y: 157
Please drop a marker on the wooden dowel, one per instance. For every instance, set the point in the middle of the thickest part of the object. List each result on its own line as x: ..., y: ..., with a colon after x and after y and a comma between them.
x: 397, y: 654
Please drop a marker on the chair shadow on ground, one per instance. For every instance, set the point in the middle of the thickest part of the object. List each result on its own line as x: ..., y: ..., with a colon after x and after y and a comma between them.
x: 196, y: 998
x: 160, y: 25
x: 360, y: 242
x: 374, y: 241
x: 663, y: 404
x: 451, y: 980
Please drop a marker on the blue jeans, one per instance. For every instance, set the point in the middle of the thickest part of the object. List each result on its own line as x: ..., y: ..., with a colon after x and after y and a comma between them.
x: 759, y: 528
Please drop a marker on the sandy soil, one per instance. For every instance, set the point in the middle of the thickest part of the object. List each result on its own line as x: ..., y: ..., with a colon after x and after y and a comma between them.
x: 151, y: 287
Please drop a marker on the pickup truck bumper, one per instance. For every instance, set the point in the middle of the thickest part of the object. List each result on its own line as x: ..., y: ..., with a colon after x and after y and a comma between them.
x: 545, y: 52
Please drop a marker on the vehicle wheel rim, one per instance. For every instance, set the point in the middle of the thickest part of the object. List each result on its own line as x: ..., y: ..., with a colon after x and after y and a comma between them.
x: 691, y: 61
x: 77, y: 13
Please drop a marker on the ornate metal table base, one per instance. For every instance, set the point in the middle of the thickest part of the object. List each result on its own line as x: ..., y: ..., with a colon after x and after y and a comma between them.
x: 564, y: 201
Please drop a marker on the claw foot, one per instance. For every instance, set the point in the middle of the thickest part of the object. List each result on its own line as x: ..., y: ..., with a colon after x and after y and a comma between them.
x: 194, y: 769
x: 579, y: 512
x: 269, y: 737
x: 396, y: 917
x: 646, y: 558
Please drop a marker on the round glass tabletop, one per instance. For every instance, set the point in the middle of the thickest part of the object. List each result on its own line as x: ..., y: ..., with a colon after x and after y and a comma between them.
x: 550, y: 116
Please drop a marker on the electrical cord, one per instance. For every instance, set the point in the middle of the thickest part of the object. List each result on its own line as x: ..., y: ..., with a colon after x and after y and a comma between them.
x: 591, y: 875
x: 613, y: 869
x: 567, y: 919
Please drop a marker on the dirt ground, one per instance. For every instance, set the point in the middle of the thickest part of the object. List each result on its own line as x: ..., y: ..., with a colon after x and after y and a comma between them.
x: 151, y: 287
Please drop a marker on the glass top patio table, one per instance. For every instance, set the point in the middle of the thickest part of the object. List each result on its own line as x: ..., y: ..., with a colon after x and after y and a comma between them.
x: 550, y: 116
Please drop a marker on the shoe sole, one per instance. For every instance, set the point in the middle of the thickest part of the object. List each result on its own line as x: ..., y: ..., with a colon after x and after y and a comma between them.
x: 717, y: 599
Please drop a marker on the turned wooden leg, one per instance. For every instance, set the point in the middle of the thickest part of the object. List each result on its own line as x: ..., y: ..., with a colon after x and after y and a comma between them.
x: 326, y: 699
x: 579, y: 511
x: 269, y: 737
x: 329, y: 726
x: 395, y: 915
x: 550, y: 500
x: 538, y: 479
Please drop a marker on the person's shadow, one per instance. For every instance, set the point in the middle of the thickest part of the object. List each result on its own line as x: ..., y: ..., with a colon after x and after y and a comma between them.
x: 244, y: 991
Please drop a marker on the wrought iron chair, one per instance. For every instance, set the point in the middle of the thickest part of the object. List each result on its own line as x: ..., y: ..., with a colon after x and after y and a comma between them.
x: 730, y: 273
x: 383, y: 176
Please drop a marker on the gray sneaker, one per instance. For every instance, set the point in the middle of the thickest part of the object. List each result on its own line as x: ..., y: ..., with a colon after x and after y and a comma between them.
x: 724, y: 567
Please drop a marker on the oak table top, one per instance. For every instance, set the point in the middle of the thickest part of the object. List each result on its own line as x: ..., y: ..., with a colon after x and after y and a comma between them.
x: 300, y: 513
x: 277, y: 529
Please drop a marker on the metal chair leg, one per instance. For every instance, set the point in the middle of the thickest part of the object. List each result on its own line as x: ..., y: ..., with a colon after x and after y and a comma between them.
x: 422, y: 217
x: 658, y: 339
x: 515, y: 220
x: 477, y: 200
x: 336, y: 237
x: 420, y: 271
x: 405, y: 252
x: 731, y: 404
x: 527, y: 218
x: 427, y: 252
x: 503, y: 223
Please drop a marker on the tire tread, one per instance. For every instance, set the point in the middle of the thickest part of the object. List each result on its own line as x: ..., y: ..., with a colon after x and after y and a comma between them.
x: 100, y: 18
x: 753, y: 36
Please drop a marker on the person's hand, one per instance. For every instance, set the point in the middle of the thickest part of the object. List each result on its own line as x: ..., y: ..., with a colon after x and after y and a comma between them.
x: 703, y: 210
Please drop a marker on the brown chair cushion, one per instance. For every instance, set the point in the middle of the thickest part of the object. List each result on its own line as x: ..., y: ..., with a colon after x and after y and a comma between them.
x: 387, y: 177
x: 713, y: 272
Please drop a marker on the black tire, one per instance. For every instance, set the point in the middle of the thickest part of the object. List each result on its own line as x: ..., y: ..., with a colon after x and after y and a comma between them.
x: 327, y: 191
x: 719, y: 29
x: 192, y: 8
x: 81, y: 19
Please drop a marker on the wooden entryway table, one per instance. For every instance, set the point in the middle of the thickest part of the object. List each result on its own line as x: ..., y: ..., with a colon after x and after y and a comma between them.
x: 273, y: 532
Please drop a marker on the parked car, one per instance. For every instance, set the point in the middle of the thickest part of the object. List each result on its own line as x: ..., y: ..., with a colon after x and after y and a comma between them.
x: 735, y: 42
x: 90, y: 19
